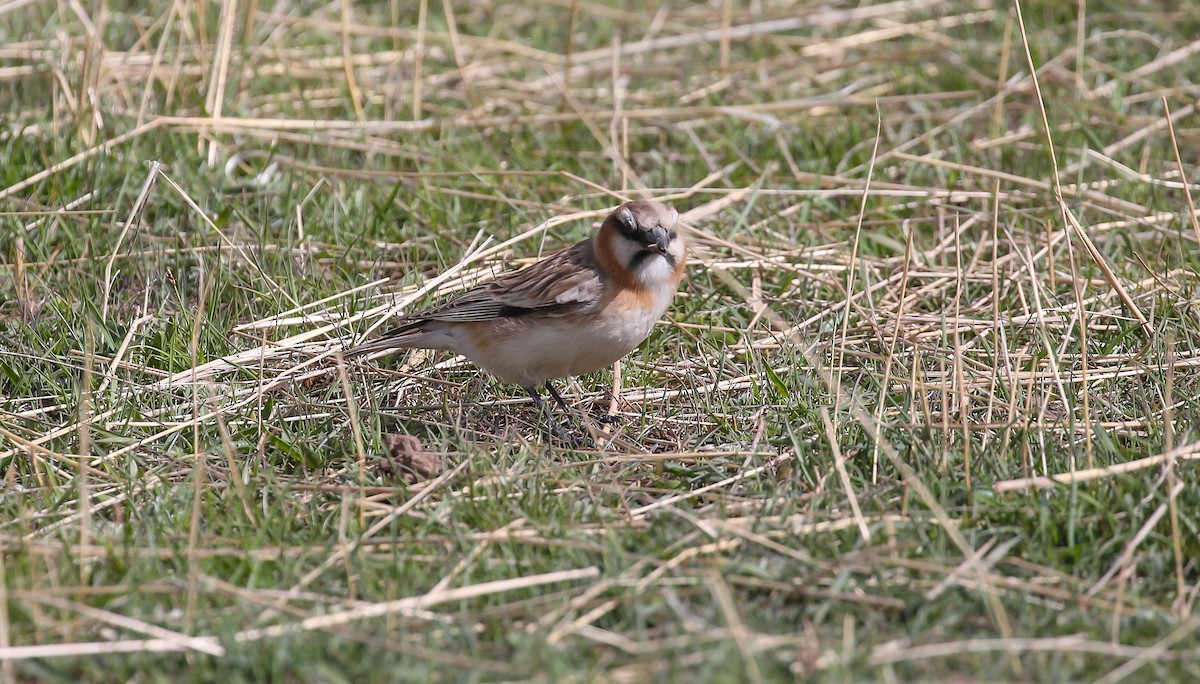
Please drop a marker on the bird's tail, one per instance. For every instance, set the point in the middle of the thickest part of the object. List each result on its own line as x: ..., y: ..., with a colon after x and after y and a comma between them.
x: 408, y: 336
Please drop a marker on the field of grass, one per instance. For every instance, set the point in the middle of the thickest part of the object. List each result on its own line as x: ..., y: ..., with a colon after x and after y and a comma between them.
x: 925, y: 408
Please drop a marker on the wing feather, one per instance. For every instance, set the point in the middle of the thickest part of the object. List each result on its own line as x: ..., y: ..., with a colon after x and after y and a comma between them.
x: 563, y: 282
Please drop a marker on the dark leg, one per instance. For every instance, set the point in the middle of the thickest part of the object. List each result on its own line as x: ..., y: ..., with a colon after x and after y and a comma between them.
x: 537, y: 398
x: 607, y: 420
x: 577, y: 441
x: 557, y: 397
x: 556, y: 429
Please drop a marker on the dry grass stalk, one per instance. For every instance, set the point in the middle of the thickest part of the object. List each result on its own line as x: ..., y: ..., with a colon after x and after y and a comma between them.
x: 936, y: 298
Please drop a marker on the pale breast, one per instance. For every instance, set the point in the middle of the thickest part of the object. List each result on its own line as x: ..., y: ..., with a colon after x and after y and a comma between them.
x: 530, y: 351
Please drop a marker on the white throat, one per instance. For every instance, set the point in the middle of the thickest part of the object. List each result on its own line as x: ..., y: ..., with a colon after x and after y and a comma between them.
x: 653, y: 270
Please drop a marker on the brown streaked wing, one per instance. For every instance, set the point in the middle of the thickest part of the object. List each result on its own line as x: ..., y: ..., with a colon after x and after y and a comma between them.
x: 563, y: 282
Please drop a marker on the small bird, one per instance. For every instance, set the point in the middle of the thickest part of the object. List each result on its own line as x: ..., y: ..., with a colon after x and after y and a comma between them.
x: 574, y: 312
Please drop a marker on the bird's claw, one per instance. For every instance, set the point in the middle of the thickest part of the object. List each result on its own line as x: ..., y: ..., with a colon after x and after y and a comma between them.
x: 571, y: 438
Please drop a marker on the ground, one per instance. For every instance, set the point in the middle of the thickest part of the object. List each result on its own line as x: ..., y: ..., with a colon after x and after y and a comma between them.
x: 923, y: 410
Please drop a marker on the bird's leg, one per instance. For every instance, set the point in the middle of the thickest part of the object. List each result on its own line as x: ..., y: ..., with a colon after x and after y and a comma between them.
x: 556, y: 429
x: 557, y: 397
x: 578, y: 424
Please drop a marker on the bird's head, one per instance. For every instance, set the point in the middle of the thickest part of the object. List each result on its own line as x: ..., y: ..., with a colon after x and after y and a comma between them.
x: 646, y: 240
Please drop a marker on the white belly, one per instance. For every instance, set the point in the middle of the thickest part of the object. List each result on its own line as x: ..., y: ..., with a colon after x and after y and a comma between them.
x: 531, y: 352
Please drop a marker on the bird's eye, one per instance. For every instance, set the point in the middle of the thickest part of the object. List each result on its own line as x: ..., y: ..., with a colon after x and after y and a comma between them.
x: 625, y: 217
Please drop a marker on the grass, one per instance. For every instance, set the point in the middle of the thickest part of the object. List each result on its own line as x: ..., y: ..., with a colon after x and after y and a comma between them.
x: 924, y: 408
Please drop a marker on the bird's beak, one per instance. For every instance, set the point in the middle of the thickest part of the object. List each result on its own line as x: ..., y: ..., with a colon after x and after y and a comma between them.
x: 661, y: 239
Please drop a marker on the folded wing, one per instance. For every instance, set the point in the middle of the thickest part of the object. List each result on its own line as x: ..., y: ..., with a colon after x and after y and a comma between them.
x: 566, y: 282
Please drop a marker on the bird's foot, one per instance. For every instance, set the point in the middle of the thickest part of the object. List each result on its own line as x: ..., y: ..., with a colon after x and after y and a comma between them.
x: 572, y: 438
x: 574, y: 434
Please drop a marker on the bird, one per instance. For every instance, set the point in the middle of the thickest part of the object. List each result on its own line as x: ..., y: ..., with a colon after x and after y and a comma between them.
x: 571, y: 313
